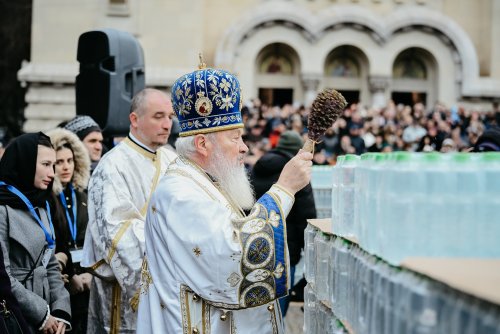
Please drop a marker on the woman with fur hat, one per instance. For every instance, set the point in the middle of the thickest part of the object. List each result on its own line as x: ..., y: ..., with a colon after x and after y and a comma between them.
x: 72, y: 170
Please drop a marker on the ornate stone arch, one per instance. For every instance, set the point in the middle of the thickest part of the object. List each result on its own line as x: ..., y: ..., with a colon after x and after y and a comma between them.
x: 359, y: 18
x: 314, y: 27
x: 451, y: 33
x: 346, y: 68
x: 267, y: 15
x: 246, y: 61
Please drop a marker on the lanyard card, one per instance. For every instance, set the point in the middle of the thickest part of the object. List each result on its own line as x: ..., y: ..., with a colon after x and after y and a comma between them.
x: 76, y: 255
x: 46, y: 257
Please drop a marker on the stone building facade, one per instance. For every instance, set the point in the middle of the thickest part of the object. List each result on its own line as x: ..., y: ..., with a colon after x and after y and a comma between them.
x: 283, y: 51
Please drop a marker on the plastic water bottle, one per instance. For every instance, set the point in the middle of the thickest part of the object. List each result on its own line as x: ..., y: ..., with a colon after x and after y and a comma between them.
x: 321, y: 182
x: 332, y: 273
x: 384, y: 228
x: 434, y: 210
x: 310, y: 255
x: 488, y: 228
x: 355, y: 291
x: 347, y: 195
x: 423, y: 307
x: 398, y: 216
x: 362, y: 320
x: 366, y: 217
x: 376, y: 202
x: 362, y: 185
x: 360, y: 202
x: 342, y: 280
x: 336, y: 193
x: 310, y: 304
x: 465, y: 204
x: 322, y: 245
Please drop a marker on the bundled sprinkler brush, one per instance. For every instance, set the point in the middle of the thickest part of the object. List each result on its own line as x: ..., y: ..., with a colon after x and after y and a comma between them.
x: 325, y: 110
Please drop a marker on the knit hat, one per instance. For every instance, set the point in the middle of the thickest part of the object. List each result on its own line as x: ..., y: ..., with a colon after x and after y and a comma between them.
x: 82, y: 125
x: 488, y: 141
x: 290, y: 141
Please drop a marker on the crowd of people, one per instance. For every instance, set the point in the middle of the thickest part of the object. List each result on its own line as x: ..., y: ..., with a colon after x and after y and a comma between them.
x: 360, y: 129
x: 157, y: 238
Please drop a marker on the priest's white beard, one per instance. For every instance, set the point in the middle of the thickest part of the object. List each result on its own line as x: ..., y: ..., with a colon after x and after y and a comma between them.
x: 232, y: 178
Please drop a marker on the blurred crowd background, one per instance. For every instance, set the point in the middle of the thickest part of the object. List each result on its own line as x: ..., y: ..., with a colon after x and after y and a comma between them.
x: 398, y: 127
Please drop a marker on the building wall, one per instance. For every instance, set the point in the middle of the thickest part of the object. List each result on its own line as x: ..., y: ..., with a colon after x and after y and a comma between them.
x: 461, y: 35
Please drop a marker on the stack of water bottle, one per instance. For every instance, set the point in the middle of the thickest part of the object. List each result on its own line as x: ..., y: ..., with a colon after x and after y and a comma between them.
x: 350, y: 290
x: 418, y: 204
x: 321, y: 182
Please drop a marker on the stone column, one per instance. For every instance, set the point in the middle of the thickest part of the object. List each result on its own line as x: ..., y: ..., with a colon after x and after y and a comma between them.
x: 50, y: 95
x: 310, y: 83
x: 378, y: 88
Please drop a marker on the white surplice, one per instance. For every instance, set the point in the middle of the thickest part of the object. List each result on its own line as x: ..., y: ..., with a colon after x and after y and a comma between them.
x: 119, y: 191
x: 209, y: 268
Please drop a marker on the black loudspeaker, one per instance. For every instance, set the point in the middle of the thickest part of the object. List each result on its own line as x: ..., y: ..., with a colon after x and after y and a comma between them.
x: 111, y: 73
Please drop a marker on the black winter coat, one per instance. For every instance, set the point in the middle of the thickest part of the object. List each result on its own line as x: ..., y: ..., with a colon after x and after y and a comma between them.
x: 64, y: 242
x: 7, y: 297
x: 264, y: 174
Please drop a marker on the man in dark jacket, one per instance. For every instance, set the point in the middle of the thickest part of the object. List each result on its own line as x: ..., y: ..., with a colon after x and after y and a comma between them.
x: 264, y: 174
x: 489, y: 141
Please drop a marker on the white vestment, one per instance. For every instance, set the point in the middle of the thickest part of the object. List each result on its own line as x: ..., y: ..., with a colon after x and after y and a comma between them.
x: 119, y: 191
x: 208, y: 267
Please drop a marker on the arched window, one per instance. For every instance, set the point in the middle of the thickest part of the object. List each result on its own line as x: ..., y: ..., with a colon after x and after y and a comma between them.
x: 408, y: 66
x: 277, y: 80
x: 276, y: 64
x: 414, y: 74
x: 345, y: 67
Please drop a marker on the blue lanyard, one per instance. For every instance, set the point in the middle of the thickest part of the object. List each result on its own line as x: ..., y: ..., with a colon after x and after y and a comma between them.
x: 50, y: 240
x: 71, y: 222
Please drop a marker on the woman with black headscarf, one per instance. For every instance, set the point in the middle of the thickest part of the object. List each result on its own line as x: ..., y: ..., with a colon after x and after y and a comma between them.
x: 27, y: 234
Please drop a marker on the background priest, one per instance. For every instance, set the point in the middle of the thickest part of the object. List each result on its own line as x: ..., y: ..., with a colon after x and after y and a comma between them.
x: 119, y: 192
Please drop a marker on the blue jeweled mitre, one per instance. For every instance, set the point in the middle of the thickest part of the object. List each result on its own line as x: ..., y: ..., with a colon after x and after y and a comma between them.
x: 207, y: 100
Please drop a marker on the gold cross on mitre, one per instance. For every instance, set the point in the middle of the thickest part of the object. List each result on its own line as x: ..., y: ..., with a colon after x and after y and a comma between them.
x: 202, y: 64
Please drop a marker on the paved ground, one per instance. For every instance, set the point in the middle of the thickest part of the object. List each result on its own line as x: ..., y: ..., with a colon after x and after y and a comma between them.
x: 294, y: 320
